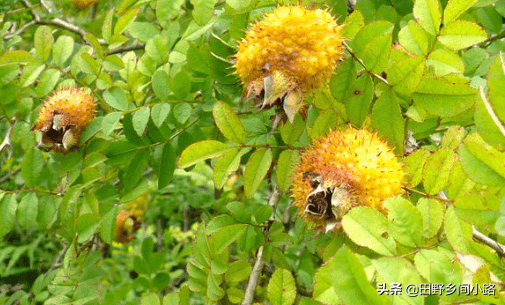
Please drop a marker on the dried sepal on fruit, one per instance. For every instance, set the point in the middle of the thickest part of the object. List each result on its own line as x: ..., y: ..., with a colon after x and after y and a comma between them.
x: 290, y: 52
x: 63, y: 118
x: 344, y: 169
x: 126, y: 225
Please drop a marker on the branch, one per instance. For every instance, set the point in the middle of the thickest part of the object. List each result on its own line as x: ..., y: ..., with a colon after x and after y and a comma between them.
x: 253, y: 278
x: 488, y: 242
x: 53, y: 21
x: 489, y: 108
x: 134, y: 47
x: 9, y: 174
x: 382, y: 79
x: 258, y: 265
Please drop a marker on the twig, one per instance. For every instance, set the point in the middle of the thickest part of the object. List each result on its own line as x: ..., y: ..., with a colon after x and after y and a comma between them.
x: 56, y: 263
x: 489, y: 108
x: 410, y: 190
x: 488, y: 242
x: 382, y: 79
x: 159, y: 235
x: 134, y: 47
x: 6, y: 177
x: 258, y: 265
x: 53, y: 21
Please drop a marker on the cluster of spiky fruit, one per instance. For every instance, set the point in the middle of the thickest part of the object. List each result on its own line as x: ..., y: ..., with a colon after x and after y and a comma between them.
x: 82, y: 4
x: 291, y: 51
x: 63, y: 118
x: 347, y: 168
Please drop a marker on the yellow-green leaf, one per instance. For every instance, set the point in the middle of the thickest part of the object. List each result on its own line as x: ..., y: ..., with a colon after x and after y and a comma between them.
x: 428, y: 14
x: 200, y: 151
x: 461, y: 34
x: 229, y: 123
x: 256, y: 169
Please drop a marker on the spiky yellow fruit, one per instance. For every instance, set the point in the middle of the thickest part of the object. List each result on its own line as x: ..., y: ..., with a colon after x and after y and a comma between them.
x: 63, y: 118
x: 301, y: 45
x: 82, y: 4
x: 347, y: 168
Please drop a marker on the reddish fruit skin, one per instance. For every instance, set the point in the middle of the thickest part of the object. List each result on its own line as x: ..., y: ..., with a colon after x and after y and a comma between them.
x: 126, y: 225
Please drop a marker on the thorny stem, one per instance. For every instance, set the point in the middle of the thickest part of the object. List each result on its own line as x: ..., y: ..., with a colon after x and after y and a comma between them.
x: 258, y: 265
x: 382, y: 79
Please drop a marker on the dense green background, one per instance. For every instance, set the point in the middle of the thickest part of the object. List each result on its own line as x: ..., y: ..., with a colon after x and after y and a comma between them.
x: 173, y: 130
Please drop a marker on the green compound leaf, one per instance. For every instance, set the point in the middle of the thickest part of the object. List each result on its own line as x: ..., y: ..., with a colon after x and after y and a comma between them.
x: 288, y: 159
x: 125, y: 20
x: 27, y: 210
x: 353, y: 24
x: 405, y: 222
x: 200, y: 151
x: 428, y: 14
x: 226, y: 164
x: 437, y: 267
x: 455, y: 8
x: 443, y: 97
x: 432, y: 212
x: 238, y: 271
x: 458, y: 232
x: 108, y: 226
x: 256, y: 169
x: 110, y: 122
x: 15, y: 57
x: 413, y: 38
x: 373, y: 44
x: 62, y: 50
x: 343, y: 79
x: 388, y: 121
x: 116, y: 98
x: 167, y: 165
x: 358, y: 102
x: 8, y: 207
x: 478, y: 210
x: 281, y: 288
x: 160, y: 84
x: 140, y: 119
x: 413, y: 167
x: 437, y: 170
x: 445, y: 61
x: 203, y: 10
x: 43, y: 41
x: 137, y: 166
x: 220, y: 241
x: 159, y: 113
x: 229, y: 123
x: 405, y: 75
x: 481, y: 162
x: 399, y: 270
x: 369, y: 228
x: 32, y: 166
x: 350, y: 281
x: 461, y: 34
x: 291, y: 132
